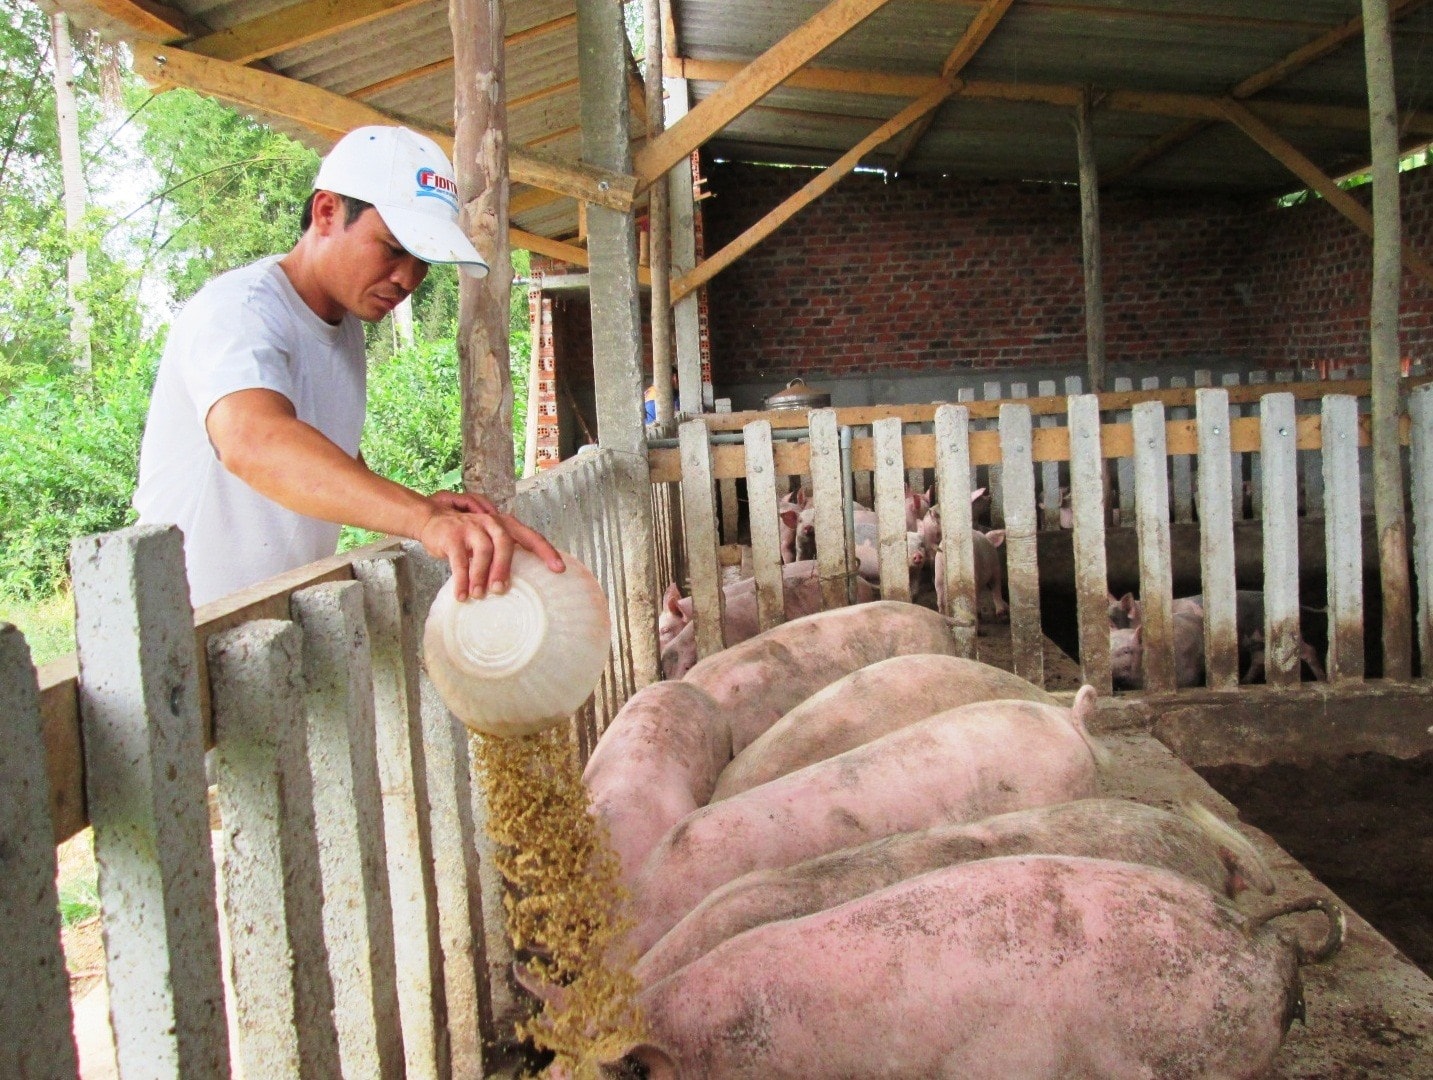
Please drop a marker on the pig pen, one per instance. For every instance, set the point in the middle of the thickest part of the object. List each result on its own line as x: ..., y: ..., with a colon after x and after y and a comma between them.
x: 1370, y: 1008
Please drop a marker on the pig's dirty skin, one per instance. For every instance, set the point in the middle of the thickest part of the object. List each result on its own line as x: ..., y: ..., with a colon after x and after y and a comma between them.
x: 801, y: 595
x: 657, y: 761
x: 961, y: 765
x: 1127, y: 654
x: 758, y: 681
x: 865, y: 705
x: 1201, y: 847
x: 1036, y: 967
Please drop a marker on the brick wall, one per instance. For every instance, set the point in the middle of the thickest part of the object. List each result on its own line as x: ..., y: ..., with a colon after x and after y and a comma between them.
x: 922, y: 274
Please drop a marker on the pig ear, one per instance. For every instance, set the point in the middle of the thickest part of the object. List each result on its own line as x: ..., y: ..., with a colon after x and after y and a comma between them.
x: 996, y: 537
x: 789, y: 518
x: 974, y: 495
x: 672, y: 599
x: 1138, y: 637
x: 1126, y: 603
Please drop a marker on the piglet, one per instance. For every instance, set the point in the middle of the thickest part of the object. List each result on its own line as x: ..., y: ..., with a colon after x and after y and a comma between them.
x: 1196, y: 844
x: 1041, y: 967
x: 868, y: 560
x: 865, y: 705
x: 989, y: 577
x: 1127, y: 653
x: 960, y: 765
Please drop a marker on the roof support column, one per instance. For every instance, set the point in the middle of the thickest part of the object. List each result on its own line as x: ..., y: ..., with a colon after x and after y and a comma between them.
x: 481, y: 159
x: 1090, y: 238
x: 686, y: 317
x: 1383, y: 343
x: 616, y: 325
x: 659, y: 225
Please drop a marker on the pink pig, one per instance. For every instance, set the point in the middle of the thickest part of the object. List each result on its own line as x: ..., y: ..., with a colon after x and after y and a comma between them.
x: 1040, y: 967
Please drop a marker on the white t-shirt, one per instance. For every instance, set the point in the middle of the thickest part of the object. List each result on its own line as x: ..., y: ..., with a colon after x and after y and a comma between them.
x: 246, y: 329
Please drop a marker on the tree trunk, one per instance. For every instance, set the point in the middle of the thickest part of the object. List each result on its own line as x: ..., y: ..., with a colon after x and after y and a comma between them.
x: 73, y: 172
x: 1383, y: 344
x: 480, y: 156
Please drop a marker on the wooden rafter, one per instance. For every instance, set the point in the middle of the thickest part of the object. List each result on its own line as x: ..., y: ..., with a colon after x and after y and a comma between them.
x: 290, y: 27
x: 1282, y: 150
x: 1184, y: 106
x: 813, y: 189
x: 752, y: 83
x: 332, y: 115
x: 976, y: 34
x: 1109, y: 12
x: 148, y: 20
x: 1300, y: 58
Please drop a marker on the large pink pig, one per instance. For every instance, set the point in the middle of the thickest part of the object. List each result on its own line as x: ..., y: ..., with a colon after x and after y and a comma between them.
x: 1035, y: 967
x: 1196, y: 844
x: 865, y: 705
x: 657, y: 761
x: 961, y: 765
x: 758, y: 681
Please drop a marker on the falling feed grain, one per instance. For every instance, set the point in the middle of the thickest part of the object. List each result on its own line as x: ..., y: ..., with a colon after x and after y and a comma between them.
x: 564, y: 900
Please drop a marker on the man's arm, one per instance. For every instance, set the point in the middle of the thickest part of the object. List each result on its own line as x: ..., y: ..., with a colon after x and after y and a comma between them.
x: 260, y: 440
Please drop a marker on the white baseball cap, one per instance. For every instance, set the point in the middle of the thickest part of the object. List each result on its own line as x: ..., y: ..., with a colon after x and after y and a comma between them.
x: 410, y: 182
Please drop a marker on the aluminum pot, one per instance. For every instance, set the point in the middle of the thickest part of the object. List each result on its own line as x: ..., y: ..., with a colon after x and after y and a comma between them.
x: 797, y: 395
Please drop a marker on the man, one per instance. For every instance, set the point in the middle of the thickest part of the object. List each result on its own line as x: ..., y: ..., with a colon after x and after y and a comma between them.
x: 251, y: 445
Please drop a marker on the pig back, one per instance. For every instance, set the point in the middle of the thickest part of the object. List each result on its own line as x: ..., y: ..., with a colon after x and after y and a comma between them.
x: 757, y: 681
x: 864, y: 705
x: 960, y: 765
x: 657, y: 761
x: 1038, y: 967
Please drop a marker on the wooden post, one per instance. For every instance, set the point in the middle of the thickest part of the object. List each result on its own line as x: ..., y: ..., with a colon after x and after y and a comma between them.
x: 480, y: 157
x: 765, y: 532
x: 699, y: 510
x: 1090, y: 238
x: 616, y: 326
x: 952, y: 487
x: 1278, y: 439
x: 682, y: 215
x: 1152, y: 528
x: 1420, y: 410
x: 1087, y: 508
x: 1027, y: 639
x: 1343, y: 538
x: 833, y: 546
x: 1383, y: 344
x: 1216, y: 539
x: 34, y: 987
x: 890, y: 509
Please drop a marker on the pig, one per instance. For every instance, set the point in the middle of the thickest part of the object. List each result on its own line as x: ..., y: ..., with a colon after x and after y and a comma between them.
x: 657, y: 761
x: 960, y: 765
x: 801, y: 596
x: 806, y: 526
x: 868, y: 564
x: 1128, y: 613
x: 865, y: 705
x: 788, y: 513
x: 989, y: 577
x: 758, y: 681
x: 917, y: 503
x: 1195, y: 843
x: 1127, y: 653
x: 1041, y: 967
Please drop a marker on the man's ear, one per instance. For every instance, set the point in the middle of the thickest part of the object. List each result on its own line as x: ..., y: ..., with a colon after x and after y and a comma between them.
x: 326, y: 212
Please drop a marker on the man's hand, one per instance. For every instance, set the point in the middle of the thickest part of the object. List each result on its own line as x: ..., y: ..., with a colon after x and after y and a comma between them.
x: 478, y: 541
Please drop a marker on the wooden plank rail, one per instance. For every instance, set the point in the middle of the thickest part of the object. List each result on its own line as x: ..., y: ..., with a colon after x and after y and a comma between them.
x: 1048, y: 444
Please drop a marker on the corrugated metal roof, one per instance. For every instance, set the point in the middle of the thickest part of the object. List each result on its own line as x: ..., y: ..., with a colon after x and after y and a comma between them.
x: 1044, y: 50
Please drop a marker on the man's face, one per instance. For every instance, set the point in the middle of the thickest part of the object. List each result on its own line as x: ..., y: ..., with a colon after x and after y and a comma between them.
x: 367, y: 271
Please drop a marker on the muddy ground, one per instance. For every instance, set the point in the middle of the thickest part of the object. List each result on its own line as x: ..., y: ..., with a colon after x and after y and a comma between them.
x: 1362, y: 825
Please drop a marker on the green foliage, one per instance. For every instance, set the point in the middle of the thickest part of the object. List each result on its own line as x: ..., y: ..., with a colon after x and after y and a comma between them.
x: 69, y: 455
x: 230, y: 190
x: 80, y: 897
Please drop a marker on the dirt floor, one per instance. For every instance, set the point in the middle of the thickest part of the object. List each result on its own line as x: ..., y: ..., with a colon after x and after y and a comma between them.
x: 1362, y: 825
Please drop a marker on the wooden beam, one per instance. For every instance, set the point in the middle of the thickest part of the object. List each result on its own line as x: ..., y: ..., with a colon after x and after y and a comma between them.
x: 757, y: 79
x: 1300, y: 58
x: 333, y: 115
x: 976, y: 34
x: 531, y: 199
x: 809, y: 193
x: 290, y: 27
x: 150, y: 21
x: 558, y: 249
x: 1185, y: 106
x: 1310, y: 174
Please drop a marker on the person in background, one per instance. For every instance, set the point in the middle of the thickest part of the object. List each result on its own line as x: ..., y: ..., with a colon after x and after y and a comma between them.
x: 252, y: 442
x: 649, y: 402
